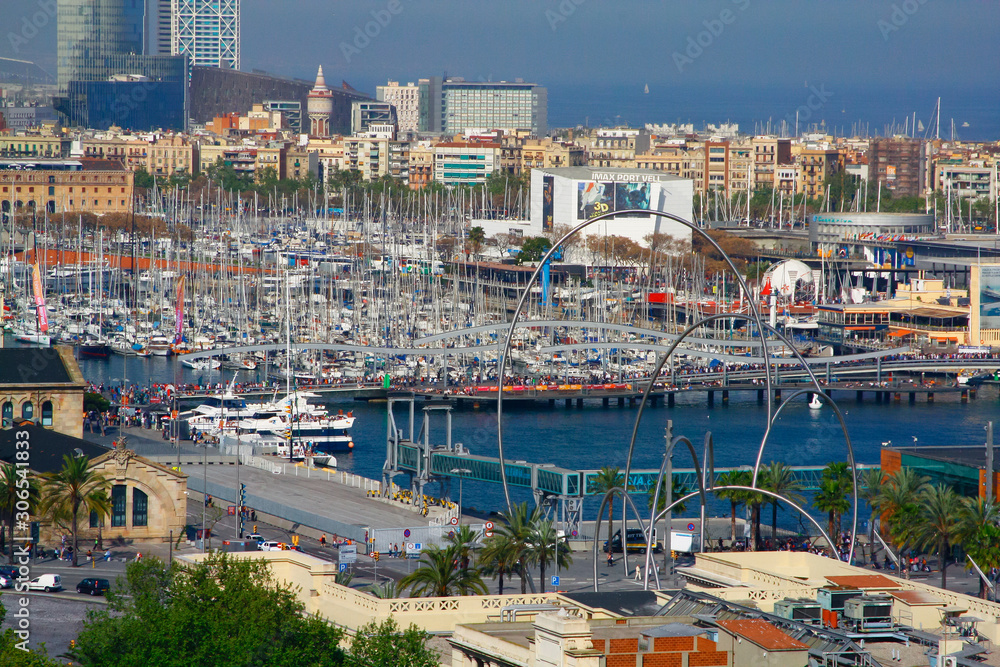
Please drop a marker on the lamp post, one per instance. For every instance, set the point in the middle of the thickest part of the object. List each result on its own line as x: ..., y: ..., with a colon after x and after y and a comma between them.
x: 462, y: 472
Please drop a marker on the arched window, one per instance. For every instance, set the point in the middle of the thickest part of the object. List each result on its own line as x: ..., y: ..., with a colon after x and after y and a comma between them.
x: 118, y: 505
x: 8, y: 414
x: 47, y: 413
x: 27, y: 411
x: 140, y: 507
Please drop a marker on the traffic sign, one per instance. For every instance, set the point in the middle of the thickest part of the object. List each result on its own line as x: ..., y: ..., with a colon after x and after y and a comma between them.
x: 489, y: 525
x: 454, y: 520
x: 348, y: 553
x: 451, y: 533
x: 690, y: 526
x: 574, y: 533
x: 231, y: 510
x: 406, y: 533
x: 487, y: 533
x: 555, y: 580
x: 343, y: 567
x: 375, y: 556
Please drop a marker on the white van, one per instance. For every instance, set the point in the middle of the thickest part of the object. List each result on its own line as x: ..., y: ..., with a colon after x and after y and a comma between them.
x: 46, y: 582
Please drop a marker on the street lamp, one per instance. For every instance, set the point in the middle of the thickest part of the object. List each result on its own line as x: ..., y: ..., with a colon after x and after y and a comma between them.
x: 461, y: 480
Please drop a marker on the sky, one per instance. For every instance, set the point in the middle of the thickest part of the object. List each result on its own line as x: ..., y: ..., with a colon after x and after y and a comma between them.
x: 584, y: 48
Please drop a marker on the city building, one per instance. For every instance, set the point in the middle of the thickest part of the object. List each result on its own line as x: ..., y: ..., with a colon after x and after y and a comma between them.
x: 319, y: 106
x: 571, y: 195
x: 464, y: 162
x: 34, y: 145
x: 207, y: 31
x: 290, y: 110
x: 421, y: 164
x: 366, y: 113
x: 216, y: 92
x: 452, y: 105
x: 134, y: 102
x: 27, y: 116
x: 520, y: 154
x: 95, y: 38
x: 815, y: 166
x: 844, y: 234
x: 965, y: 468
x: 615, y: 148
x: 898, y: 164
x: 768, y: 154
x: 406, y: 100
x: 966, y: 180
x: 377, y: 153
x: 42, y: 385
x: 64, y: 186
x: 158, y: 19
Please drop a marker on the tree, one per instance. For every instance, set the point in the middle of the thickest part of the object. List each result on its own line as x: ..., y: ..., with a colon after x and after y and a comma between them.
x: 15, y: 488
x: 385, y: 591
x: 606, y: 479
x: 533, y: 249
x: 76, y: 486
x: 870, y: 490
x: 477, y: 237
x: 438, y: 575
x: 979, y: 534
x: 677, y: 490
x: 463, y: 539
x: 545, y: 547
x: 777, y: 478
x: 832, y: 499
x: 499, y: 558
x: 938, y: 523
x: 516, y: 527
x: 736, y: 497
x: 222, y: 612
x: 898, y: 502
x: 386, y: 645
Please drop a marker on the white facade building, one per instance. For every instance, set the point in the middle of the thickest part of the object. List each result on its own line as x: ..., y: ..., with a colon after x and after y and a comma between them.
x: 571, y: 195
x: 406, y: 99
x: 207, y: 31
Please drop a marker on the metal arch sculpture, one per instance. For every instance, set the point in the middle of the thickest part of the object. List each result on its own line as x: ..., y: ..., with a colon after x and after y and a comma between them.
x: 761, y: 327
x: 505, y: 351
x: 627, y: 500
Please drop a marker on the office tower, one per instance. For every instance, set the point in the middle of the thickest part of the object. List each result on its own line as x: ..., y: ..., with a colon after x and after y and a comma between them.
x: 158, y: 27
x: 207, y: 31
x: 406, y: 100
x: 454, y: 105
x: 94, y: 36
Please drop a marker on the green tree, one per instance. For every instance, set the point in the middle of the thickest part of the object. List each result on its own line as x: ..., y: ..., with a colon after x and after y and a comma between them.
x: 979, y: 534
x: 222, y: 612
x: 736, y: 497
x: 386, y: 645
x: 533, y: 249
x: 938, y: 523
x: 545, y: 547
x: 777, y: 478
x: 898, y: 502
x: 499, y: 558
x: 143, y: 179
x: 607, y: 478
x: 477, y: 237
x: 15, y: 488
x: 678, y: 490
x: 74, y: 487
x: 870, y: 490
x: 438, y: 575
x: 516, y: 526
x: 831, y: 498
x: 463, y: 539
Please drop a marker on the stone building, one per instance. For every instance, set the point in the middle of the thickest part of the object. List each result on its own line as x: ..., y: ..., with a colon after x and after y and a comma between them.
x: 43, y: 386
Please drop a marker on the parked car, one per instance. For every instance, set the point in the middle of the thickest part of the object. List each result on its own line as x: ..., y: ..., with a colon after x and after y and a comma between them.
x: 635, y: 542
x: 10, y: 571
x: 46, y: 582
x: 255, y: 536
x: 93, y: 586
x: 270, y: 545
x: 6, y: 581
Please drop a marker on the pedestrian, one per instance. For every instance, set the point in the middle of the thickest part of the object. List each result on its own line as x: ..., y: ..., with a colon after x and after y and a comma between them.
x: 638, y: 573
x: 322, y: 540
x: 138, y: 556
x: 611, y: 559
x: 107, y: 555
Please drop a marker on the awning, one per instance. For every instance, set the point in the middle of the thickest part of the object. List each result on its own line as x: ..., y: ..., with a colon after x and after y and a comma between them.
x: 900, y: 334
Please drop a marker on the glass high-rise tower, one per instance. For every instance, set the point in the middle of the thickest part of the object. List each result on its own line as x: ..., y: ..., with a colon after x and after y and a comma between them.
x: 206, y: 31
x: 97, y: 37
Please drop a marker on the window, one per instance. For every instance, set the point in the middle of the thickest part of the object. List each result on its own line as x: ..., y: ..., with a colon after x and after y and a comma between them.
x: 140, y: 505
x: 8, y: 414
x: 27, y: 411
x: 47, y: 413
x: 94, y: 519
x: 118, y: 505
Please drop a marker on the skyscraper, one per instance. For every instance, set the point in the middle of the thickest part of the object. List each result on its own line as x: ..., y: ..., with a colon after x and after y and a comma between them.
x: 94, y: 36
x: 158, y: 27
x: 207, y: 31
x: 454, y: 105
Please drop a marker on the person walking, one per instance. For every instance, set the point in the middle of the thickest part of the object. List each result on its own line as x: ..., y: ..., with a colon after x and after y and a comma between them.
x: 638, y: 573
x: 322, y: 540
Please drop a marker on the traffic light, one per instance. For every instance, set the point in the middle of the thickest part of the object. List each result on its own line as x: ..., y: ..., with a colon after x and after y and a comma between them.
x: 673, y: 555
x: 375, y: 556
x: 243, y: 494
x: 295, y: 540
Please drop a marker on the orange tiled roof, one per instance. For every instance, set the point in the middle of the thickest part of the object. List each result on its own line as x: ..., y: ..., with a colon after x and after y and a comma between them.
x: 762, y: 633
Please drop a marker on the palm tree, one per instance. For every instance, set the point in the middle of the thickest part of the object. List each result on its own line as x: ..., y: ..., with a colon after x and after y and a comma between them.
x: 736, y: 497
x: 938, y: 524
x: 516, y: 527
x: 463, y: 540
x: 437, y: 575
x: 898, y: 502
x: 677, y: 490
x: 545, y: 547
x: 385, y: 591
x: 499, y: 558
x: 777, y: 478
x: 10, y: 494
x: 979, y: 534
x: 832, y: 499
x: 606, y: 479
x: 76, y: 486
x: 476, y: 239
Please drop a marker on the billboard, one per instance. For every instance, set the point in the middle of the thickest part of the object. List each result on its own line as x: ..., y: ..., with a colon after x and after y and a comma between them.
x: 989, y: 297
x: 596, y: 198
x: 548, y: 185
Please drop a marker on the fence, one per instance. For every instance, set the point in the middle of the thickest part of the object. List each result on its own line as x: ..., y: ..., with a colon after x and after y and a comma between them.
x: 387, y: 538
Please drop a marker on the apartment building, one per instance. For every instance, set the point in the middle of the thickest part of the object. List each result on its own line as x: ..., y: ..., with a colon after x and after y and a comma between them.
x: 465, y: 163
x: 64, y: 186
x: 615, y: 148
x: 897, y: 163
x: 377, y: 153
x: 768, y: 153
x: 421, y: 164
x: 815, y: 165
x: 406, y: 100
x: 519, y: 155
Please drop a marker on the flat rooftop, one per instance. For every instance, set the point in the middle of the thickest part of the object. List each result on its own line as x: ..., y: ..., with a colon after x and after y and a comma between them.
x: 973, y: 456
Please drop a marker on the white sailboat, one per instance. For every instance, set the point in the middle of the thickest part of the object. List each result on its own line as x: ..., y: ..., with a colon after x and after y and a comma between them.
x: 39, y: 336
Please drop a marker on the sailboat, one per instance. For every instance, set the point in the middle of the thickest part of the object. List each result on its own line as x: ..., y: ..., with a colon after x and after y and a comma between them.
x: 39, y: 336
x: 646, y: 89
x: 815, y: 403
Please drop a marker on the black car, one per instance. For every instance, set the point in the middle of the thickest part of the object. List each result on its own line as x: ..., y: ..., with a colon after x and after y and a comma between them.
x: 93, y: 586
x: 10, y: 571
